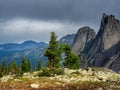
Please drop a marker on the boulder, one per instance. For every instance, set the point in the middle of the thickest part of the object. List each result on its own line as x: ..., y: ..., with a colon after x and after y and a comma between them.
x: 35, y: 85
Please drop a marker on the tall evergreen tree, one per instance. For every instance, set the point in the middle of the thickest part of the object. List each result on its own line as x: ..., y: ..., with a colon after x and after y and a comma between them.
x: 1, y: 74
x: 28, y: 65
x: 72, y: 61
x: 39, y: 67
x: 67, y: 50
x: 52, y: 52
x: 4, y: 67
x: 24, y: 65
x: 13, y: 68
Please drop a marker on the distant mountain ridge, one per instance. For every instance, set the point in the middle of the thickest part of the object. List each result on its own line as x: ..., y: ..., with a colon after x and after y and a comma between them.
x: 67, y: 39
x: 30, y: 49
x: 25, y: 45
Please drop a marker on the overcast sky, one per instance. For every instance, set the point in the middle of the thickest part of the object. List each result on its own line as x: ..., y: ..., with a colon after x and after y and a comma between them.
x: 22, y: 20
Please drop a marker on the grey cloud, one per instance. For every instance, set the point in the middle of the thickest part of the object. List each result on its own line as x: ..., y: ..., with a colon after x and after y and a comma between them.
x: 18, y: 30
x: 70, y: 10
x: 74, y: 13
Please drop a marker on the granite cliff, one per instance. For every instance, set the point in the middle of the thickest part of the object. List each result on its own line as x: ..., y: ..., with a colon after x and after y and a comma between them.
x: 101, y: 50
x: 84, y: 37
x: 105, y: 51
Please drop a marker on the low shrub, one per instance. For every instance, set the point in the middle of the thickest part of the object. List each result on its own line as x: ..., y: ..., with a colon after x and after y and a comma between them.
x: 1, y: 74
x: 48, y: 72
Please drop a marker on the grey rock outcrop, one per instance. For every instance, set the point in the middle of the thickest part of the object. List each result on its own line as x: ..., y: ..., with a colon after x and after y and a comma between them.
x: 68, y: 39
x: 105, y: 51
x: 84, y: 36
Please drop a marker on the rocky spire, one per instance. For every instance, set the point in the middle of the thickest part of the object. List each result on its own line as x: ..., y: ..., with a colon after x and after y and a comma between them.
x: 84, y: 35
x: 109, y: 33
x: 107, y: 38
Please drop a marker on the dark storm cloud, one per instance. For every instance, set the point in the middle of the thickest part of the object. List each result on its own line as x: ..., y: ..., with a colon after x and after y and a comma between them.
x: 70, y: 10
x: 35, y: 19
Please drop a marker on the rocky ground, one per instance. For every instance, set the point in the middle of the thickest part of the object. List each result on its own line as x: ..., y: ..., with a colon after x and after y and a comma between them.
x: 90, y: 79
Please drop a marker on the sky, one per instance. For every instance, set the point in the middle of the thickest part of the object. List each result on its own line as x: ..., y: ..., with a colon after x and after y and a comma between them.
x: 22, y: 20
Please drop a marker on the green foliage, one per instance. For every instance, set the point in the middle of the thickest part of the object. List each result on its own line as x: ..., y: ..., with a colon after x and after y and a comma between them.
x: 1, y: 74
x: 4, y: 67
x: 75, y: 61
x: 53, y: 52
x: 72, y: 61
x: 13, y: 68
x: 29, y: 65
x: 19, y: 70
x: 26, y: 65
x: 39, y: 67
x: 48, y: 72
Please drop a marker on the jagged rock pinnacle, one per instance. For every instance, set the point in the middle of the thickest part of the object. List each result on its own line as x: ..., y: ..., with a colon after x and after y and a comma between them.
x: 106, y: 44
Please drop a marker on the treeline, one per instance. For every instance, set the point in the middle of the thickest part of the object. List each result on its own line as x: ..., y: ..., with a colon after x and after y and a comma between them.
x: 59, y: 56
x: 18, y: 69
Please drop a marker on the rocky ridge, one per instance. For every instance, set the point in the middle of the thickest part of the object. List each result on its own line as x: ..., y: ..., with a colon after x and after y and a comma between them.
x: 105, y: 51
x: 101, y: 50
x: 67, y: 39
x: 83, y: 39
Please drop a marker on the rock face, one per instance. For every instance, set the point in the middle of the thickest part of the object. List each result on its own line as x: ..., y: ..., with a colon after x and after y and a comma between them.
x: 105, y: 51
x: 68, y: 39
x: 84, y: 37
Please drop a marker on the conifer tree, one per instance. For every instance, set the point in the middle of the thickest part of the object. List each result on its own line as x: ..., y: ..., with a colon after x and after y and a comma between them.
x: 24, y: 65
x: 67, y: 50
x: 15, y: 65
x: 52, y: 52
x: 4, y: 67
x: 39, y: 67
x: 13, y: 68
x: 28, y: 65
x: 71, y: 59
x: 1, y: 74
